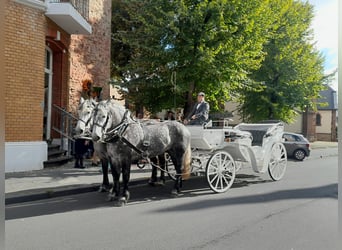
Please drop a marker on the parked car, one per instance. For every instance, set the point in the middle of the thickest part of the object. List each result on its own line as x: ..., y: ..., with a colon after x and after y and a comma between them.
x: 297, y: 146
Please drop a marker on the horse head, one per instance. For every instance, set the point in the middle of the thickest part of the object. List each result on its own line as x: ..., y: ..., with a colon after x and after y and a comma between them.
x: 107, y: 115
x: 85, y: 111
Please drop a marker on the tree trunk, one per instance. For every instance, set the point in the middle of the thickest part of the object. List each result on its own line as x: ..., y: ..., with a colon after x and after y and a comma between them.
x: 189, y: 100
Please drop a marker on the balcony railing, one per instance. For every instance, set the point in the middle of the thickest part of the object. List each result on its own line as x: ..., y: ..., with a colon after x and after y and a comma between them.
x: 82, y: 6
x: 70, y: 15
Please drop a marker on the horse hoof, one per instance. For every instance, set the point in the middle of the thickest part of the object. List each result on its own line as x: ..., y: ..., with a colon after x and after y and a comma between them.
x: 127, y: 196
x: 152, y: 183
x: 174, y: 193
x: 111, y: 197
x: 103, y: 189
x: 121, y: 202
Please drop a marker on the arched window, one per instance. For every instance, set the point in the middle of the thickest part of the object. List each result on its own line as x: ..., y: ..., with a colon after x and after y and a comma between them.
x: 318, y: 119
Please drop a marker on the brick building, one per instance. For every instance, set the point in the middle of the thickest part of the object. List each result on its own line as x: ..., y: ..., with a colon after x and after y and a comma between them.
x: 50, y: 47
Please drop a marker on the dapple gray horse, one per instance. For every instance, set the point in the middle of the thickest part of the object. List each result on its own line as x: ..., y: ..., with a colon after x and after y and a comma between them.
x: 129, y: 140
x: 85, y: 111
x: 83, y: 129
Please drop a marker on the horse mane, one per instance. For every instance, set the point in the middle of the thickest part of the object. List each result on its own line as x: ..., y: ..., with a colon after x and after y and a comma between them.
x: 82, y: 103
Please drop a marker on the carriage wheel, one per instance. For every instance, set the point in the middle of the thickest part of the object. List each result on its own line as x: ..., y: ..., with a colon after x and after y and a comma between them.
x: 141, y: 164
x: 170, y: 168
x: 220, y: 171
x: 278, y: 161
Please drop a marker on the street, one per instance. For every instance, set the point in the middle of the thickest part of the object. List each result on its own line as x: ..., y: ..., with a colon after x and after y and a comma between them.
x: 298, y: 212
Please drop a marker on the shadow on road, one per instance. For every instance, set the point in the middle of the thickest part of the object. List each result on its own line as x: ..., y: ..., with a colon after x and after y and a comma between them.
x: 327, y: 191
x: 196, y: 186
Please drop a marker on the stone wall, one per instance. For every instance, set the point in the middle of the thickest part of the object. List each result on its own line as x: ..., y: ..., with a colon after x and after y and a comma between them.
x: 24, y: 72
x: 327, y: 130
x: 324, y: 137
x: 90, y: 54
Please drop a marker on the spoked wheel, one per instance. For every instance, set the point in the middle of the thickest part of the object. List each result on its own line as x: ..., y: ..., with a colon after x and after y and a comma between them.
x: 278, y: 161
x: 170, y: 168
x: 220, y: 171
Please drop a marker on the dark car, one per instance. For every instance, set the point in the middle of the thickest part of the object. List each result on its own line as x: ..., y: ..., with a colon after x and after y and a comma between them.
x: 297, y: 146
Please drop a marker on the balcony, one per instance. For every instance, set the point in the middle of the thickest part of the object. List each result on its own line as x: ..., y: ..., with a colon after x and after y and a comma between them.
x: 70, y: 15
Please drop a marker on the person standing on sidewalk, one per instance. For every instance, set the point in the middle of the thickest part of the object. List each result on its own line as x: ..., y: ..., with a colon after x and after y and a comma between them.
x: 81, y: 147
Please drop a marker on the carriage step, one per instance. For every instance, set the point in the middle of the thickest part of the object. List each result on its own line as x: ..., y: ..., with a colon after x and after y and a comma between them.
x: 54, y: 162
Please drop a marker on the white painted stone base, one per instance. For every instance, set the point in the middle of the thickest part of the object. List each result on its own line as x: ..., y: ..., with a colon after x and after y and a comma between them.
x: 25, y: 156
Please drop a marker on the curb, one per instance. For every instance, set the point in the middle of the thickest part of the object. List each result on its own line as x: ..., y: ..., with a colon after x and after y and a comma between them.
x: 65, y: 191
x: 62, y: 192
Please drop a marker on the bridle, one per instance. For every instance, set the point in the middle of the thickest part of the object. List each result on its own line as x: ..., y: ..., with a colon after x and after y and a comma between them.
x: 86, y: 123
x: 117, y: 132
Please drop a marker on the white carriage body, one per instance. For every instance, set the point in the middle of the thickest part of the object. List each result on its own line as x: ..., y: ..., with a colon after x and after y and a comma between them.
x: 248, y: 144
x: 265, y: 135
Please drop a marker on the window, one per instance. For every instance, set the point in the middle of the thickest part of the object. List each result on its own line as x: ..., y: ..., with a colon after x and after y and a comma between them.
x: 289, y: 137
x: 318, y: 119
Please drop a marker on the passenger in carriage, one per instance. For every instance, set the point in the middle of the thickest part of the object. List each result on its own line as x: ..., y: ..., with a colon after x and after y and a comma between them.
x: 199, y: 113
x: 170, y: 116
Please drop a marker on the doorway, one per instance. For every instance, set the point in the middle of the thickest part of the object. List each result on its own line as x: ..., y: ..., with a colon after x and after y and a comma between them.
x: 47, y: 94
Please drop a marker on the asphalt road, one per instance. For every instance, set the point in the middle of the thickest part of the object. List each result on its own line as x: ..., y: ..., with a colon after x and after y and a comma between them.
x: 297, y: 213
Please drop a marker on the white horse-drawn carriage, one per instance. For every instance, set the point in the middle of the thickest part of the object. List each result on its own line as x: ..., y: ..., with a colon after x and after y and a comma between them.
x: 220, y: 152
x: 216, y: 152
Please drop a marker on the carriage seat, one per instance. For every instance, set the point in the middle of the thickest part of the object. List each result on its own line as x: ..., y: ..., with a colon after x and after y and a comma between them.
x: 258, y: 137
x: 208, y: 124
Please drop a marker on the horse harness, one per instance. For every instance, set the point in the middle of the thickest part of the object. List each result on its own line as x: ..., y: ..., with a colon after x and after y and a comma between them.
x: 117, y: 134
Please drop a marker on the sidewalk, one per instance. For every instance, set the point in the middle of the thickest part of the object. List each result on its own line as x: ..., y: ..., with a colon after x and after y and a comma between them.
x: 61, y: 181
x: 66, y: 180
x: 323, y: 144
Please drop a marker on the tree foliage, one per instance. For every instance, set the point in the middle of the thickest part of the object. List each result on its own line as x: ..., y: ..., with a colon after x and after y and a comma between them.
x: 291, y: 75
x: 180, y: 47
x: 259, y: 51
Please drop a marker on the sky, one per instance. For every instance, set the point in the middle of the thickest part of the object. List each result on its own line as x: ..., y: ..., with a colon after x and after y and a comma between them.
x: 326, y: 33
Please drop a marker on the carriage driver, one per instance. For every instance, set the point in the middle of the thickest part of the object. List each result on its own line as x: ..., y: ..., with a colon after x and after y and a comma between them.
x: 199, y: 113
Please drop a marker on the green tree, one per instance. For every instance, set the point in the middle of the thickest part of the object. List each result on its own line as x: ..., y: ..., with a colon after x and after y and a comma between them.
x: 291, y: 74
x: 180, y: 47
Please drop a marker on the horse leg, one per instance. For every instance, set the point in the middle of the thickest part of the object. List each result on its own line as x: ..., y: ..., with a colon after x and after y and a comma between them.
x: 126, y: 171
x: 177, y: 184
x: 153, y: 178
x: 162, y: 164
x: 177, y: 162
x: 105, y: 181
x: 116, y: 171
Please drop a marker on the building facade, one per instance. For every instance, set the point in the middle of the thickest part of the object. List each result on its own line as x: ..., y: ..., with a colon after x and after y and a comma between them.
x: 50, y: 47
x: 326, y: 116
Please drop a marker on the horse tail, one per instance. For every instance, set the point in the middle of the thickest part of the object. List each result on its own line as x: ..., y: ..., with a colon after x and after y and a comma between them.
x: 187, y: 163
